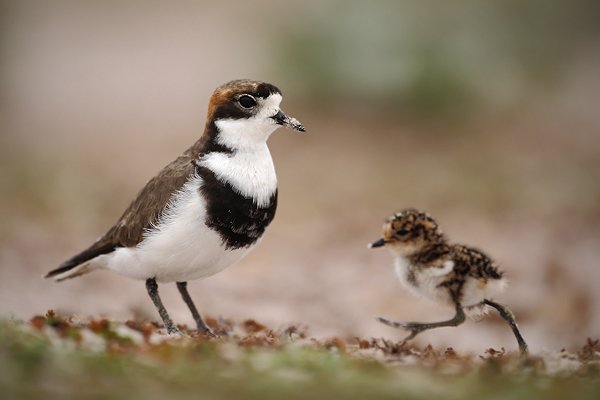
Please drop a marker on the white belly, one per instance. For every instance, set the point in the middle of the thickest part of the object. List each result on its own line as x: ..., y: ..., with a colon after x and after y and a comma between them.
x: 476, y: 290
x: 425, y: 282
x: 181, y: 247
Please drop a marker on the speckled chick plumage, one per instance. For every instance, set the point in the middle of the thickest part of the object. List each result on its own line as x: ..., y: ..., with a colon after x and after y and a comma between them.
x: 451, y: 274
x: 430, y: 266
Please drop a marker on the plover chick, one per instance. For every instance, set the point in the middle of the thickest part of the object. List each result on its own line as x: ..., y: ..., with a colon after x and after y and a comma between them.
x: 450, y: 274
x: 206, y: 209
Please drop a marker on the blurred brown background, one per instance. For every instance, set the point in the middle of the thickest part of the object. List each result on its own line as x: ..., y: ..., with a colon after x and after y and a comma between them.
x: 487, y: 115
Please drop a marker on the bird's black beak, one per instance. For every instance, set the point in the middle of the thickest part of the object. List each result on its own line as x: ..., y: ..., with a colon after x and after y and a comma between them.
x: 378, y: 243
x: 282, y: 119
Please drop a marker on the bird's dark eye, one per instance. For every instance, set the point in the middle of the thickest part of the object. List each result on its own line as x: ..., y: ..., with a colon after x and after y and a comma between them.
x: 402, y: 232
x: 247, y: 101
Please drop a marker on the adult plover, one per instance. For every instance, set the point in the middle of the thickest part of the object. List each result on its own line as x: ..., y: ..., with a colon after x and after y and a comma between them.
x: 205, y: 210
x: 451, y: 274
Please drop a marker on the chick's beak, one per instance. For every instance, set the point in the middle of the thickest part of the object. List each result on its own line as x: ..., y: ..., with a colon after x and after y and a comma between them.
x: 282, y: 119
x: 377, y: 243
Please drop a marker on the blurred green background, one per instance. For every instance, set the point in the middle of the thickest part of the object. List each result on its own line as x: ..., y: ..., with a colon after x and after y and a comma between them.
x: 485, y: 114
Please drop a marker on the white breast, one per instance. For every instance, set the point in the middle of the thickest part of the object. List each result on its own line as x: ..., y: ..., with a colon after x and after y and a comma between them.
x: 181, y: 247
x: 250, y: 171
x: 423, y: 282
x: 403, y: 271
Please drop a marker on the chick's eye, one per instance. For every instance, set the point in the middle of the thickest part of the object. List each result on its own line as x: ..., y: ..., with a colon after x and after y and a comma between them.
x: 402, y: 232
x: 247, y: 101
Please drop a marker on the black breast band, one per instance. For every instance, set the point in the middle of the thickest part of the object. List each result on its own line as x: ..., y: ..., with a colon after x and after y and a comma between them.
x: 237, y: 219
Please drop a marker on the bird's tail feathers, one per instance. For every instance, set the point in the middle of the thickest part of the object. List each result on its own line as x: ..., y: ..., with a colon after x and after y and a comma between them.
x: 82, y: 263
x: 74, y: 272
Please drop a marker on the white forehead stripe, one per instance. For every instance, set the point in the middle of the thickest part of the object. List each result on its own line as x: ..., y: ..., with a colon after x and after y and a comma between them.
x: 270, y: 105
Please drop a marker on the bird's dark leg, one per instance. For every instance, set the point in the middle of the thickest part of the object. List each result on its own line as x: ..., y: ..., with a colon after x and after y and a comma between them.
x: 152, y: 288
x: 182, y: 286
x: 417, y: 327
x: 510, y: 318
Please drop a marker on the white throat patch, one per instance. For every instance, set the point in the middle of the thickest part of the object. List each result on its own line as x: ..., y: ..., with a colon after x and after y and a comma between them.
x: 246, y: 132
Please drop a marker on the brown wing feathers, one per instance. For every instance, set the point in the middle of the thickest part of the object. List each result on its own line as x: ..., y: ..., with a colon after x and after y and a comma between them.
x: 144, y: 211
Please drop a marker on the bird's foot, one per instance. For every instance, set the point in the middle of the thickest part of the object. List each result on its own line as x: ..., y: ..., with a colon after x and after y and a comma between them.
x: 207, y: 332
x: 163, y: 335
x: 413, y: 327
x: 172, y: 332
